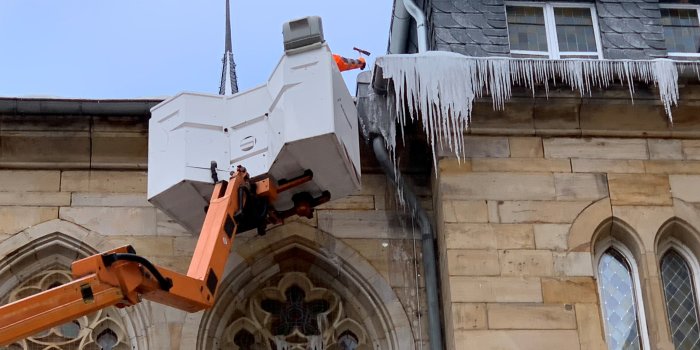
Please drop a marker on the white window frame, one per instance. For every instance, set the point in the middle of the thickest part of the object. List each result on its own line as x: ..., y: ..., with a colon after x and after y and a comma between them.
x: 693, y: 265
x: 682, y: 7
x: 600, y: 249
x: 551, y: 29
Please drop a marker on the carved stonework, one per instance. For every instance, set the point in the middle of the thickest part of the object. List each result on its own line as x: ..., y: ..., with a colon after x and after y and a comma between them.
x: 103, y: 329
x: 295, y: 315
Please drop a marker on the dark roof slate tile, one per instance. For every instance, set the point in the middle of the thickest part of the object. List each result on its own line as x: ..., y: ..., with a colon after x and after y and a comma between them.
x: 636, y: 35
x: 446, y: 6
x: 471, y: 20
x: 629, y: 29
x: 467, y: 6
x: 470, y: 27
x: 445, y: 20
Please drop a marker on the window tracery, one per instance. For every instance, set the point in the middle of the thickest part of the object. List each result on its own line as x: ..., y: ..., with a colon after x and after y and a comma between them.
x: 295, y: 315
x: 103, y: 329
x: 295, y: 312
x: 347, y: 341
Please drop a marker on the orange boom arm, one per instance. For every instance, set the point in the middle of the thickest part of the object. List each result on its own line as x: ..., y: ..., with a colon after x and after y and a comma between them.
x: 122, y: 278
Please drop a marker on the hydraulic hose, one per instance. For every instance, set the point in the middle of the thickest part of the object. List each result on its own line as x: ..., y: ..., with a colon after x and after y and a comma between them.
x: 165, y: 283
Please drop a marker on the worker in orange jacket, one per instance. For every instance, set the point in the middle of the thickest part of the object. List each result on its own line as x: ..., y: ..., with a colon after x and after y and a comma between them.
x: 349, y: 63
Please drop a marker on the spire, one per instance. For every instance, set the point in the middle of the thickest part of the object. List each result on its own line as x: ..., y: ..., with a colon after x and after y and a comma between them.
x: 228, y: 69
x: 228, y: 27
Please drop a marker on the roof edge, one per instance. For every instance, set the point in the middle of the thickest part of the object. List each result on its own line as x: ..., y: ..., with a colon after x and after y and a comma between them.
x: 49, y: 106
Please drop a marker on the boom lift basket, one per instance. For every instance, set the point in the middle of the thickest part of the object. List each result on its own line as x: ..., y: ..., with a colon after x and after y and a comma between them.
x: 302, y: 119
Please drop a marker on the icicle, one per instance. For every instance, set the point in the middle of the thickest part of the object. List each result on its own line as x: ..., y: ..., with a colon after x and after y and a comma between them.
x: 666, y: 78
x: 315, y: 342
x: 424, y: 86
x: 281, y: 343
x: 442, y: 86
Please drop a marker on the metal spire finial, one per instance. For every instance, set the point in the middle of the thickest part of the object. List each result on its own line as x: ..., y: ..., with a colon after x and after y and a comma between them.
x: 228, y: 65
x: 228, y: 27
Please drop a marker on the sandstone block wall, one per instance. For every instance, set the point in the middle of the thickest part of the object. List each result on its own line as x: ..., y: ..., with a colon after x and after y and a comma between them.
x: 84, y: 178
x: 111, y: 207
x: 516, y: 233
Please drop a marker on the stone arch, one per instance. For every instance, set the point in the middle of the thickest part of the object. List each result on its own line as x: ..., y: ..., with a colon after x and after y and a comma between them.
x: 580, y: 234
x: 677, y: 229
x: 686, y: 212
x: 55, y: 244
x: 637, y: 223
x: 614, y: 229
x: 88, y: 240
x: 55, y: 241
x: 328, y: 262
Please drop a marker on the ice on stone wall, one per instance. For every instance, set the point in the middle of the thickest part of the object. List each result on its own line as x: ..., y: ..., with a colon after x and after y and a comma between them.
x: 316, y: 343
x: 281, y: 343
x: 443, y: 85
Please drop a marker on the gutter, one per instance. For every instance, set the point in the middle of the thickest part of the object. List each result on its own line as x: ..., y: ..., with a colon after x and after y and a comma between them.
x: 62, y: 106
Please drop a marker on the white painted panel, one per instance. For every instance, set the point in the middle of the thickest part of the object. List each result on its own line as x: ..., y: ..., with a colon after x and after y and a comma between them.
x: 303, y: 118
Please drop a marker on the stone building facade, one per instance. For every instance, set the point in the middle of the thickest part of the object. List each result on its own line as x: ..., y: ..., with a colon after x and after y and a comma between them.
x: 572, y: 222
x: 527, y: 223
x: 73, y: 183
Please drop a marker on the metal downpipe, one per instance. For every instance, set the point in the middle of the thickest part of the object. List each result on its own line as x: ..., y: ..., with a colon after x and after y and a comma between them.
x: 428, y: 246
x: 400, y: 27
x: 421, y: 24
x: 398, y: 35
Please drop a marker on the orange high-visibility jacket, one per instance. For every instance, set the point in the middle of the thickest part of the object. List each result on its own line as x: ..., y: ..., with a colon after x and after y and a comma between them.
x: 349, y: 63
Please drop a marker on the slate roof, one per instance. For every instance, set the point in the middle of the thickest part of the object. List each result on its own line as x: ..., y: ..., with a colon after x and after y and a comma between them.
x: 630, y: 29
x: 471, y: 27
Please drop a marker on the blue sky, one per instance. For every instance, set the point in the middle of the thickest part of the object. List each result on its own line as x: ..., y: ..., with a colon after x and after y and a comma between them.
x: 141, y: 48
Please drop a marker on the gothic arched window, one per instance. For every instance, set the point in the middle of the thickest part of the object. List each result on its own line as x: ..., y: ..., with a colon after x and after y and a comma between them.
x: 681, y: 299
x: 295, y: 314
x: 102, y: 329
x: 619, y: 293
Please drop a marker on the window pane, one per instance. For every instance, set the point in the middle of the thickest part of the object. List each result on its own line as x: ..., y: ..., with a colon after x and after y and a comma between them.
x: 526, y: 29
x: 244, y: 339
x: 680, y: 301
x: 347, y: 341
x: 619, y: 305
x: 681, y: 30
x: 575, y: 29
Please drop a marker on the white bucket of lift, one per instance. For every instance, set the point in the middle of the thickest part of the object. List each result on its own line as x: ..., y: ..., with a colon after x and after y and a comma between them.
x: 303, y: 119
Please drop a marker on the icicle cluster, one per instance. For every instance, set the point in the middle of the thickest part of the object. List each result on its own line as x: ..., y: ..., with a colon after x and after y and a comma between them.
x: 443, y: 85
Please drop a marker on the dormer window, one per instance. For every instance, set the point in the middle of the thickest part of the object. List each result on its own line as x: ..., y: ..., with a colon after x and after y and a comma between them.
x: 552, y: 30
x: 681, y: 29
